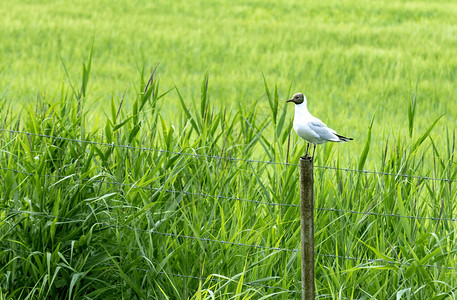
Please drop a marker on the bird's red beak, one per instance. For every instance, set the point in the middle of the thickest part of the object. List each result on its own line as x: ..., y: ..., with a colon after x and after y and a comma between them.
x: 290, y: 100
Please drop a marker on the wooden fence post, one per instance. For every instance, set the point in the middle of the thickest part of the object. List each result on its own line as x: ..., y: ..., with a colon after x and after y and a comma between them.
x: 307, y: 227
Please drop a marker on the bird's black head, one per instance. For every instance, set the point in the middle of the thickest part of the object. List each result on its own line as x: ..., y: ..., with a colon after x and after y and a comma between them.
x: 298, y: 98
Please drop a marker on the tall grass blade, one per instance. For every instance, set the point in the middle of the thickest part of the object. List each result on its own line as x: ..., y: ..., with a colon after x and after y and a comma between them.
x: 366, y: 148
x: 86, y: 71
x: 420, y: 140
x: 412, y: 111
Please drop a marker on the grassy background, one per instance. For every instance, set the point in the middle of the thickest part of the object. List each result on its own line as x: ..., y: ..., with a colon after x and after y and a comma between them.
x: 352, y: 59
x: 87, y: 230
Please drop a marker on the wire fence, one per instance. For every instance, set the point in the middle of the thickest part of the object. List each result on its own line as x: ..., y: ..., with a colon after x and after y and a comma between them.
x: 227, y: 158
x: 210, y: 240
x: 203, y: 195
x: 218, y: 277
x: 210, y: 277
x: 362, y: 260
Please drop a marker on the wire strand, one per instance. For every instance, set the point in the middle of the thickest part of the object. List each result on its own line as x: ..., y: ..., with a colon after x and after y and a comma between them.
x: 131, y: 185
x: 173, y: 235
x: 219, y: 278
x: 385, y: 215
x: 224, y: 157
x: 180, y: 275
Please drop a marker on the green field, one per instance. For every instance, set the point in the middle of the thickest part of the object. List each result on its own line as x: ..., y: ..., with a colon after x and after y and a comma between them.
x: 166, y: 217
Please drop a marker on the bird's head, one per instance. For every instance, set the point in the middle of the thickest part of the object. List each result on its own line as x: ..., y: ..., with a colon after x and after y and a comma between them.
x: 298, y: 98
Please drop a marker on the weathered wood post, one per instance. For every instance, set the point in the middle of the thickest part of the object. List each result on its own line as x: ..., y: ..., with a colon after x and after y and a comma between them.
x: 307, y: 227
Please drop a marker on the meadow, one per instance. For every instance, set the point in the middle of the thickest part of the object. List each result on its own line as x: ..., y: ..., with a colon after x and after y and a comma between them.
x: 119, y: 185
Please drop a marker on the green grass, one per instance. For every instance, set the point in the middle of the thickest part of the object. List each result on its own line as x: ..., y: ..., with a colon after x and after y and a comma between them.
x: 90, y: 220
x: 94, y: 220
x: 352, y: 59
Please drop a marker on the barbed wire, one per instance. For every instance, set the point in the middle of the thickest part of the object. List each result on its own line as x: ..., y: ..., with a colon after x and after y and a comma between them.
x: 210, y: 240
x: 179, y: 275
x: 225, y: 157
x: 385, y: 214
x: 174, y: 235
x: 218, y: 278
x: 131, y: 185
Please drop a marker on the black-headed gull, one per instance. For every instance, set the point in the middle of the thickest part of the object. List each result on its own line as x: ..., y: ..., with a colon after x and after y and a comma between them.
x: 310, y: 128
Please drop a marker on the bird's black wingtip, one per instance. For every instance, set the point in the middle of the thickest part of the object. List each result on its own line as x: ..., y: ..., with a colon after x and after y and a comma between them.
x: 344, y: 139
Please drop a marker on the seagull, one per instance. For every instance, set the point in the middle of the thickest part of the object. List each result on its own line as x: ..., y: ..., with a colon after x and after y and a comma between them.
x: 310, y: 128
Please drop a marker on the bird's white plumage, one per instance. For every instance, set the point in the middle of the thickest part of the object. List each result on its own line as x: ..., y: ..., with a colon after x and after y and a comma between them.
x: 310, y: 128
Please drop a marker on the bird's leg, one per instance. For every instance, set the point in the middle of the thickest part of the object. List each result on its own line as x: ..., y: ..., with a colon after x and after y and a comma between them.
x: 306, y: 156
x: 314, y: 150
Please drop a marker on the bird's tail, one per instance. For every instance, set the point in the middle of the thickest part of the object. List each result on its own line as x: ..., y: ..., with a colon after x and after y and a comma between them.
x: 343, y: 138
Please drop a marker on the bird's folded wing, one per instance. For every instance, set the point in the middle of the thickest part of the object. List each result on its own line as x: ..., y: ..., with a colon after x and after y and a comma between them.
x: 322, y: 130
x: 318, y: 123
